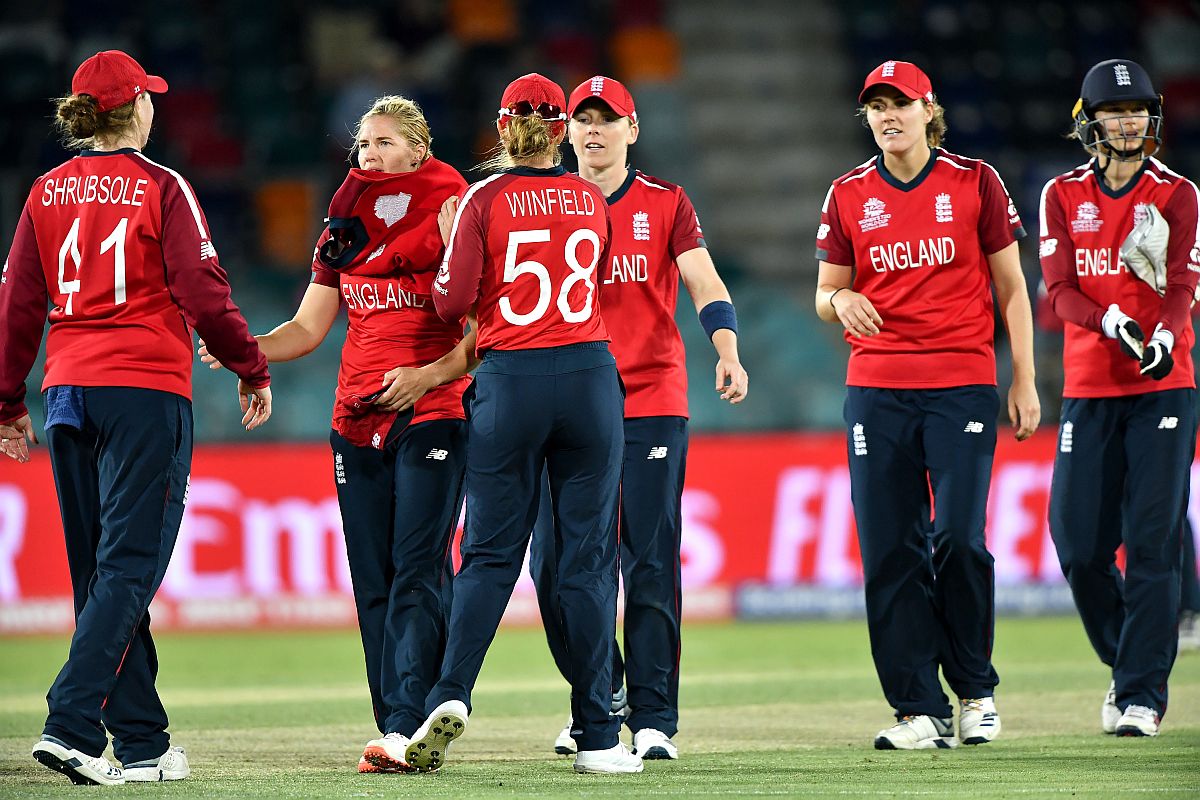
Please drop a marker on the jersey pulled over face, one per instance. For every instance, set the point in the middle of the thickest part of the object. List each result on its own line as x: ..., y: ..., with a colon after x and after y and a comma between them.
x: 919, y: 252
x: 525, y: 250
x: 654, y: 222
x: 1084, y: 223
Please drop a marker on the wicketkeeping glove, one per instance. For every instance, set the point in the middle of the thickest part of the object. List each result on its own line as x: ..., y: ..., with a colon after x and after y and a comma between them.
x: 1124, y: 328
x: 1144, y: 250
x: 1156, y: 360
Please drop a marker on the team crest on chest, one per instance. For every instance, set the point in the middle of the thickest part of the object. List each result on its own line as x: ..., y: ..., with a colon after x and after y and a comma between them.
x: 1087, y: 218
x: 942, y: 208
x: 391, y: 208
x: 641, y: 226
x: 1140, y: 212
x: 873, y: 215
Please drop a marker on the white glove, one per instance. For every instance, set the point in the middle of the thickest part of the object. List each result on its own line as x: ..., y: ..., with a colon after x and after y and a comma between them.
x: 1124, y: 328
x: 1144, y: 250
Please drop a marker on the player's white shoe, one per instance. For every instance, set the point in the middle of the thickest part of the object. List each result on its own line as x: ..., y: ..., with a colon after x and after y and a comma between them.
x: 917, y: 732
x: 170, y: 766
x: 652, y: 744
x: 615, y: 760
x: 1110, y: 715
x: 564, y: 745
x: 978, y: 720
x: 427, y: 749
x: 1138, y: 721
x: 80, y: 768
x: 386, y: 754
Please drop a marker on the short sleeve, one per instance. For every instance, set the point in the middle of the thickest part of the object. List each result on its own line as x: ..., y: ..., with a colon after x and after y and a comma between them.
x: 833, y: 246
x: 686, y: 233
x: 999, y: 223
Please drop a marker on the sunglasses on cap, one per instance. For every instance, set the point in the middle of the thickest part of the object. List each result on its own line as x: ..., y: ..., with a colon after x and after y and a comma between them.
x: 523, y: 108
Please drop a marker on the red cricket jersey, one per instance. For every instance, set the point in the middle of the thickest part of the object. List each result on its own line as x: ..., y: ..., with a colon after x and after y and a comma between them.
x: 524, y: 249
x: 119, y: 246
x: 919, y: 252
x: 653, y: 223
x: 1083, y: 225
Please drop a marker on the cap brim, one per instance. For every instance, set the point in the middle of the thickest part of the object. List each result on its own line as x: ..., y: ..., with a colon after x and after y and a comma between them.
x: 155, y: 84
x: 905, y: 89
x: 615, y: 107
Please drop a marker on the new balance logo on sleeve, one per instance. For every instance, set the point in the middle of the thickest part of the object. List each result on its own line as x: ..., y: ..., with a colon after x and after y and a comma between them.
x: 973, y: 427
x: 207, y: 250
x: 657, y: 452
x: 1168, y: 423
x: 438, y: 455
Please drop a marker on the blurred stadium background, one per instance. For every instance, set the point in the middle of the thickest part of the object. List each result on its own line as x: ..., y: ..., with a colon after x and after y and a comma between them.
x: 749, y: 104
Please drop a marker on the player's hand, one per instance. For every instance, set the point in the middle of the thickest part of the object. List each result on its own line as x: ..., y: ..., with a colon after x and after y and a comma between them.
x: 207, y: 357
x: 733, y: 383
x: 446, y: 218
x: 1024, y: 409
x: 1156, y: 360
x: 256, y: 405
x: 856, y: 313
x: 16, y: 438
x: 1124, y: 328
x: 405, y: 386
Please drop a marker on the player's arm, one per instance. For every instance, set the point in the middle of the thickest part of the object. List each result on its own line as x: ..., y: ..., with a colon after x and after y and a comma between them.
x: 23, y: 303
x: 407, y: 385
x: 837, y: 302
x: 456, y: 287
x: 1024, y: 409
x: 715, y: 308
x: 300, y: 335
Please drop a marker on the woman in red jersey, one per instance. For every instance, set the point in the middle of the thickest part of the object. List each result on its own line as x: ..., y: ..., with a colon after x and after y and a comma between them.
x: 1120, y: 250
x: 523, y: 253
x: 398, y: 438
x: 120, y: 248
x: 656, y: 241
x: 911, y: 244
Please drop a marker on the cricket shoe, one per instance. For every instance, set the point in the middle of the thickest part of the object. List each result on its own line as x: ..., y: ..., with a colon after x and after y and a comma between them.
x: 170, y: 766
x: 564, y: 744
x: 80, y: 768
x: 651, y: 744
x: 386, y: 754
x: 1110, y: 715
x: 427, y: 749
x: 918, y: 732
x: 613, y: 761
x: 978, y: 720
x: 1138, y: 721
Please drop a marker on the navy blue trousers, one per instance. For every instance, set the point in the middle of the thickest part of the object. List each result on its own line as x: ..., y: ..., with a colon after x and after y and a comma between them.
x: 560, y: 408
x: 1121, y: 476
x: 1190, y: 594
x: 399, y: 510
x: 121, y: 482
x: 650, y: 530
x: 930, y: 583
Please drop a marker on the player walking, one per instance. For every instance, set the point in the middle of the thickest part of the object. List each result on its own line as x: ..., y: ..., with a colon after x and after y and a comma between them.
x: 523, y: 252
x: 1127, y: 435
x: 911, y: 244
x: 399, y: 443
x: 120, y: 248
x: 656, y: 240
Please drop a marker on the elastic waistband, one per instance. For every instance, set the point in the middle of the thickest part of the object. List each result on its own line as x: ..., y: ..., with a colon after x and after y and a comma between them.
x: 548, y: 360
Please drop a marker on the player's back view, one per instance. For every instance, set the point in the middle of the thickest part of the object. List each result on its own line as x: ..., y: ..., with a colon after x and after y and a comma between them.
x: 523, y: 252
x: 120, y: 248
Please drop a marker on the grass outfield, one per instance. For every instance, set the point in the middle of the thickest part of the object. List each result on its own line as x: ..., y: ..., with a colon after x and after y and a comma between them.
x: 768, y: 710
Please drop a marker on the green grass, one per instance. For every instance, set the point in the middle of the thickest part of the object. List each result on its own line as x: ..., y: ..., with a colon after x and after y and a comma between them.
x: 768, y: 710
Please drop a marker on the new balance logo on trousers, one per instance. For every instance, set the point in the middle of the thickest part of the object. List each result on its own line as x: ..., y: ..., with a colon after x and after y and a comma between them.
x: 1168, y: 423
x: 973, y: 427
x: 657, y: 452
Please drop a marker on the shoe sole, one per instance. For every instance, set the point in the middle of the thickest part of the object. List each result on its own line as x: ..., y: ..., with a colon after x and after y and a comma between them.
x: 378, y: 758
x: 1131, y: 732
x: 597, y: 771
x: 69, y: 767
x: 937, y: 743
x: 429, y: 752
x: 563, y: 750
x: 658, y: 754
x: 977, y: 740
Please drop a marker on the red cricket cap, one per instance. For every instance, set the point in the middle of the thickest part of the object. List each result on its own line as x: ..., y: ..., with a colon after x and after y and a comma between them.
x: 902, y: 75
x: 533, y: 89
x: 114, y: 78
x: 611, y: 91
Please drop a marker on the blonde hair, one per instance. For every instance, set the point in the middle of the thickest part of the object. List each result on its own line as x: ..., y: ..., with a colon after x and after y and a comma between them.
x: 410, y: 122
x: 81, y: 125
x: 935, y: 129
x: 524, y: 139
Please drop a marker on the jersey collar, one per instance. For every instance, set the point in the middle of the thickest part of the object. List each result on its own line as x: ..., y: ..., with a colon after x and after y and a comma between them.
x: 624, y: 187
x: 121, y: 151
x: 893, y: 181
x: 1117, y: 194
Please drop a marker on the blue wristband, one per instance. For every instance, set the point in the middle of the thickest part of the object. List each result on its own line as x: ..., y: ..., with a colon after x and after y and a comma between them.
x: 716, y: 315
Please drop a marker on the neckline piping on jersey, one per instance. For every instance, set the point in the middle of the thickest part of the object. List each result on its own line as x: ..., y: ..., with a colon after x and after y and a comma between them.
x: 1117, y: 194
x: 624, y: 187
x: 895, y: 182
x: 117, y: 152
x: 537, y: 172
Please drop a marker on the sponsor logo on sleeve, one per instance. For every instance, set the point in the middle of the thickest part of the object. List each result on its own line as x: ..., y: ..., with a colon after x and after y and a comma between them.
x: 1047, y: 248
x: 822, y: 231
x: 207, y: 250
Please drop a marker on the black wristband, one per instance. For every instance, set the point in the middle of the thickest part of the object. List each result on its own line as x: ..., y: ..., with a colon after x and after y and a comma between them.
x: 835, y: 291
